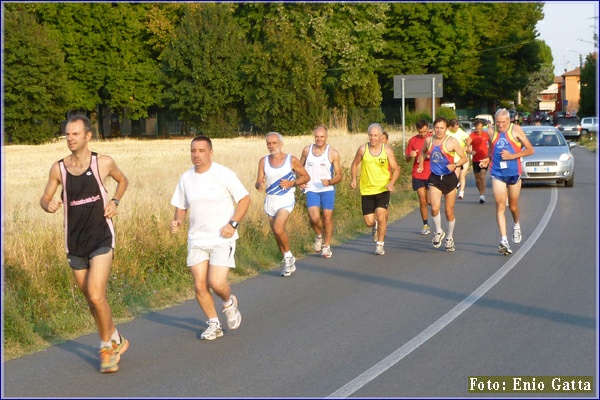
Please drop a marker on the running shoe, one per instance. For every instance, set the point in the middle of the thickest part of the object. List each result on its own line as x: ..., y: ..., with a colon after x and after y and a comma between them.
x: 503, y: 248
x: 450, y: 245
x: 379, y: 251
x: 234, y: 318
x: 374, y: 232
x: 425, y: 230
x: 437, y: 239
x: 318, y: 243
x: 516, y: 234
x: 213, y: 331
x: 461, y: 194
x: 289, y: 267
x: 481, y: 199
x: 110, y: 356
x: 326, y: 252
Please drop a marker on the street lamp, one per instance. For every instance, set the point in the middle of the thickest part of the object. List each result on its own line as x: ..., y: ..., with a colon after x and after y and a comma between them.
x: 580, y: 57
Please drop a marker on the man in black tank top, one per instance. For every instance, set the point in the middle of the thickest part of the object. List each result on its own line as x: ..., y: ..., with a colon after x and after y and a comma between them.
x: 89, y: 231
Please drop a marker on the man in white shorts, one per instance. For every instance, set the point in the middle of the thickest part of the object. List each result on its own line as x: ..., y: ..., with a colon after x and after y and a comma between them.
x: 278, y: 173
x: 210, y: 190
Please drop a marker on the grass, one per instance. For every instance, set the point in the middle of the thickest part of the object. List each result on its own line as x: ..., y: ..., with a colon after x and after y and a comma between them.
x: 43, y: 306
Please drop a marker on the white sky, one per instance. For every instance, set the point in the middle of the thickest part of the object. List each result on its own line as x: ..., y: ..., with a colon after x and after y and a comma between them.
x: 568, y: 28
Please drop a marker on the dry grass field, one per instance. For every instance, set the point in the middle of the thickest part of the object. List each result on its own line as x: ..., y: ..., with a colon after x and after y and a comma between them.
x: 41, y: 303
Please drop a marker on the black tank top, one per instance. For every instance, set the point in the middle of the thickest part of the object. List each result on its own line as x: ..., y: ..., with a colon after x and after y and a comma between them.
x: 84, y: 197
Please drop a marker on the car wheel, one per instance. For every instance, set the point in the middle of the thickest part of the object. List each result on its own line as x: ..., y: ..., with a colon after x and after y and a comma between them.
x: 571, y: 181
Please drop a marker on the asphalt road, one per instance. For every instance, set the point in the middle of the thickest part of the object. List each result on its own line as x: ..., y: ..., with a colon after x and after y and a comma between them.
x: 416, y: 322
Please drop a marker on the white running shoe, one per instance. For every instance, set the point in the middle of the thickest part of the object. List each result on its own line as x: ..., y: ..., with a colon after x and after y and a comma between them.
x: 379, y: 251
x: 326, y: 252
x: 425, y: 230
x: 504, y: 248
x: 234, y: 318
x: 289, y: 267
x: 437, y: 239
x: 318, y: 243
x: 213, y: 331
x: 450, y: 245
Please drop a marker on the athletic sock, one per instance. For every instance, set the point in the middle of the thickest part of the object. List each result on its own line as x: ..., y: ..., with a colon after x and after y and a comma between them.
x: 450, y: 229
x: 116, y: 337
x: 288, y: 254
x: 437, y: 220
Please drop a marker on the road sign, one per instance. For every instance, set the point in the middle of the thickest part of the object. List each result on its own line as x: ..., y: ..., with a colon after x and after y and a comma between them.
x: 417, y: 86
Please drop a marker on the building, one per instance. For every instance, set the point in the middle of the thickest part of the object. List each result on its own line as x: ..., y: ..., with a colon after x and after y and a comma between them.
x: 571, y: 84
x: 550, y: 100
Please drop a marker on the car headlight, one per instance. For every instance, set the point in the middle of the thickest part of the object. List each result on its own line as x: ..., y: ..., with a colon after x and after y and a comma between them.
x: 564, y: 157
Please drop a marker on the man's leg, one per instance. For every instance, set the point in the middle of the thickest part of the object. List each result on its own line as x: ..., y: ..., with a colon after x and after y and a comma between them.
x: 314, y: 214
x: 203, y: 296
x: 422, y: 193
x: 514, y: 192
x: 92, y: 282
x: 499, y: 189
x: 278, y: 227
x: 327, y: 227
x: 381, y: 216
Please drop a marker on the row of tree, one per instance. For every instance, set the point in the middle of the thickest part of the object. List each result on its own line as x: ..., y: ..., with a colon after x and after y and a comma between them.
x: 272, y: 66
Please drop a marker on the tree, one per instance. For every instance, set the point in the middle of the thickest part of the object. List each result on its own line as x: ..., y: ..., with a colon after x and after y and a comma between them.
x: 539, y: 80
x: 202, y: 65
x: 36, y: 89
x: 588, y: 96
x: 108, y: 57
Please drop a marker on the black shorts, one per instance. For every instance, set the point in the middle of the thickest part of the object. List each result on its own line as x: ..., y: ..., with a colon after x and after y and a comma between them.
x: 476, y: 168
x: 445, y: 183
x: 78, y: 262
x: 419, y: 183
x: 371, y: 202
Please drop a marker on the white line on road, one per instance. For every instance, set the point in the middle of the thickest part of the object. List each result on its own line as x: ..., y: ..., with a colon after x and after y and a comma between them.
x: 438, y: 325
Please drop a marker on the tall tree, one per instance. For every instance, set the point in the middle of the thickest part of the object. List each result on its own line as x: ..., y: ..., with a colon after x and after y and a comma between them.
x: 107, y: 55
x: 202, y: 65
x: 542, y: 78
x: 36, y: 89
x: 588, y: 102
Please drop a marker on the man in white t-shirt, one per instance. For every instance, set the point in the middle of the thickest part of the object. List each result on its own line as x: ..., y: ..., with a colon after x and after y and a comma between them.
x: 322, y: 162
x: 210, y: 192
x: 278, y: 174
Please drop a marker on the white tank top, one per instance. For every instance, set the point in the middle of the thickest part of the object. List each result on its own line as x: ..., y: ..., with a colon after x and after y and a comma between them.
x: 318, y: 167
x: 273, y: 176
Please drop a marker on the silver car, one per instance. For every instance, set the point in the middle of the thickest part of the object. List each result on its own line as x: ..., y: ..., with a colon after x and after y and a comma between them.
x: 552, y: 160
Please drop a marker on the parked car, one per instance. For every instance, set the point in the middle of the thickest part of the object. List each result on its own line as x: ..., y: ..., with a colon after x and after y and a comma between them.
x: 485, y: 118
x: 568, y: 126
x: 552, y: 160
x: 589, y: 125
x: 468, y: 126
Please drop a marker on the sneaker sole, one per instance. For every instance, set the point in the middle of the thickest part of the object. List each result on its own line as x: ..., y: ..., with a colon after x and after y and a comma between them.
x: 505, y: 251
x: 326, y: 255
x: 289, y: 273
x: 218, y: 335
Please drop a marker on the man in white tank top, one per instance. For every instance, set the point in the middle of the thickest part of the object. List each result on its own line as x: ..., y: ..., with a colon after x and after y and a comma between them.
x: 278, y: 173
x: 322, y: 163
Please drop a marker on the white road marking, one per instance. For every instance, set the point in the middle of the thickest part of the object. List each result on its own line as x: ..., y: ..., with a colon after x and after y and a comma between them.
x: 391, y: 360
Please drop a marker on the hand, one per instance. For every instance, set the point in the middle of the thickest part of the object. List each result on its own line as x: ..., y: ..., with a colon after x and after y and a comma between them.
x: 53, y: 206
x: 175, y: 226
x: 325, y: 182
x: 286, y: 184
x: 414, y: 153
x: 390, y: 187
x: 260, y: 186
x: 353, y: 184
x: 419, y: 169
x: 227, y: 231
x: 506, y: 155
x: 110, y: 210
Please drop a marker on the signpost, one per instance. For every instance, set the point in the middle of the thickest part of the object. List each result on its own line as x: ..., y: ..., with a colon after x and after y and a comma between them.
x: 418, y: 86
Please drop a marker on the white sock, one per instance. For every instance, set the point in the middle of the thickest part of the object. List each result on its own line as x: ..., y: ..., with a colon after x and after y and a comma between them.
x: 437, y: 220
x: 215, y: 320
x: 105, y: 344
x: 288, y: 254
x: 380, y: 243
x: 504, y: 239
x: 116, y: 337
x: 450, y: 229
x: 228, y: 303
x: 516, y: 225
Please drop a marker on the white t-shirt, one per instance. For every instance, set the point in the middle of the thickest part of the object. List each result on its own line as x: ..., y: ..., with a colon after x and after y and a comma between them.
x: 210, y: 199
x: 318, y: 167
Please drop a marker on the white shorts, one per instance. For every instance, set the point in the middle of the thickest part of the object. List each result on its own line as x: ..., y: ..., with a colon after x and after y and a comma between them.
x: 221, y: 255
x: 275, y: 203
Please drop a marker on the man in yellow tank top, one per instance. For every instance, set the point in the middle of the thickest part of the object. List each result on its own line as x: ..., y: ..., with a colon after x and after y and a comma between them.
x: 378, y: 175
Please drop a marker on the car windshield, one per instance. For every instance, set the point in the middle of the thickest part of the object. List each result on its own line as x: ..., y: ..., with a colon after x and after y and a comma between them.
x: 544, y: 138
x: 568, y: 121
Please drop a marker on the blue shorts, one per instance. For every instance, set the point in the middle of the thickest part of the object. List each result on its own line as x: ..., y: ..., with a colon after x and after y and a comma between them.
x: 324, y: 200
x: 509, y: 180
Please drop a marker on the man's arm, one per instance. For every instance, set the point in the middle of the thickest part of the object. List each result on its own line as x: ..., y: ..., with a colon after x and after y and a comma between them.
x: 47, y: 201
x: 109, y: 167
x: 423, y: 154
x: 177, y: 219
x: 353, y: 168
x: 394, y: 166
x: 337, y: 168
x: 260, y: 177
x: 302, y: 176
x: 304, y: 155
x: 520, y: 134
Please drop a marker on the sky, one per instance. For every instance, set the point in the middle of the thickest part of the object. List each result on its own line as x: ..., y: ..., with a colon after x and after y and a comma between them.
x: 568, y: 28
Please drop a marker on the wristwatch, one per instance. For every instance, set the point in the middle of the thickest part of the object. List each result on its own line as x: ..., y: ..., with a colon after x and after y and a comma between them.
x: 235, y: 224
x: 115, y: 201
